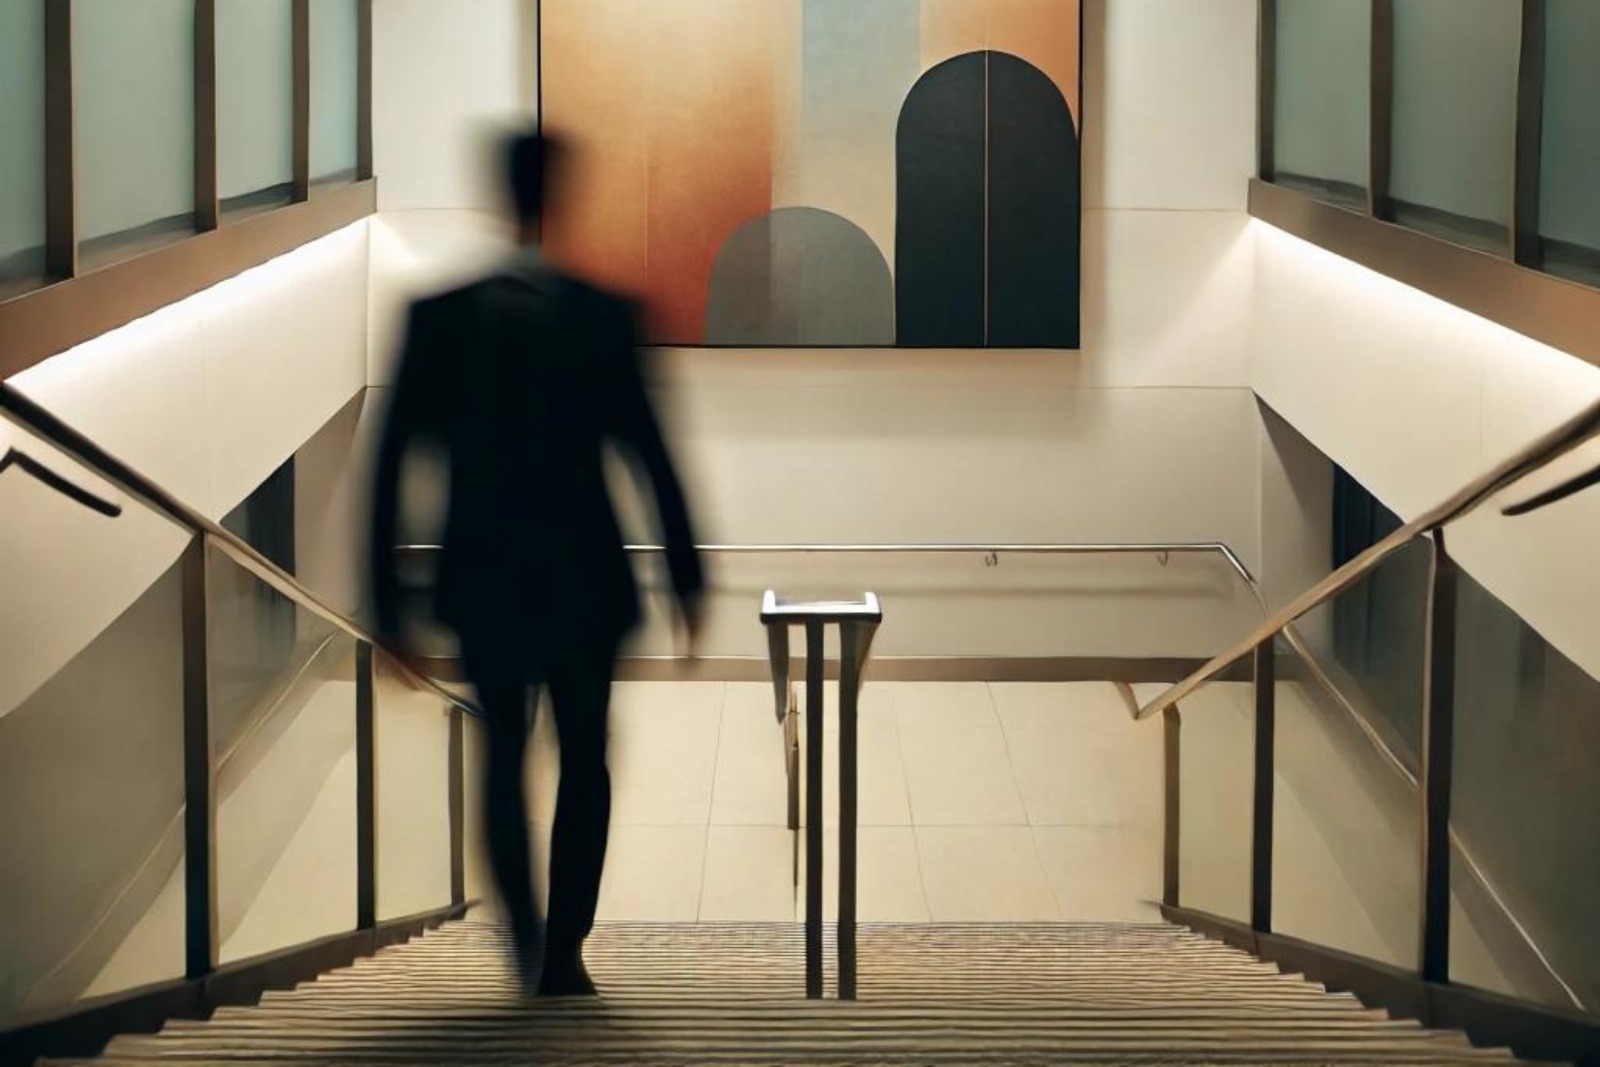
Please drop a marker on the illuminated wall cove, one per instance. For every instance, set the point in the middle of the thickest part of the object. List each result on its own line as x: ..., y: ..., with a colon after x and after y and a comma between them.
x: 824, y: 172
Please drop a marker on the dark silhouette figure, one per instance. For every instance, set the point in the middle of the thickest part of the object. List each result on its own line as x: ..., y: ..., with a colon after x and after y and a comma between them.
x: 523, y: 378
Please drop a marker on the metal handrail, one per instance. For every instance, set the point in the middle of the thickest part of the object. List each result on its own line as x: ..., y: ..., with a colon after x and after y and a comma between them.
x: 1531, y: 459
x: 1153, y: 548
x: 24, y: 412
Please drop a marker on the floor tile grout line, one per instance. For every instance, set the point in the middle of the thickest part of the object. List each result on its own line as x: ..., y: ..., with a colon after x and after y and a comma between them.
x: 1033, y: 838
x: 711, y: 806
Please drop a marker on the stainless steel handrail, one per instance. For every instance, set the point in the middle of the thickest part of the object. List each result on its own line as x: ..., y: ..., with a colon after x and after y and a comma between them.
x: 32, y: 417
x: 1531, y: 459
x: 1153, y: 548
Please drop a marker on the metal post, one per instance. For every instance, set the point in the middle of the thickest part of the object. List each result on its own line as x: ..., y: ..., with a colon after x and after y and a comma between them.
x: 458, y: 779
x: 1261, y: 811
x: 199, y: 772
x: 1438, y: 746
x: 814, y: 742
x: 1172, y: 821
x: 783, y: 704
x: 858, y: 622
x: 855, y: 641
x: 366, y: 791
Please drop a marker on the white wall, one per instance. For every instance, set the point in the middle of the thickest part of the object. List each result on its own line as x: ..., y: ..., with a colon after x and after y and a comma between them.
x: 1148, y: 434
x: 1415, y: 398
x: 207, y: 397
x: 445, y: 78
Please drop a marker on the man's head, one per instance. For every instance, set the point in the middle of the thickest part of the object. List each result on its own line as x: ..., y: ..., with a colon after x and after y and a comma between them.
x: 531, y: 165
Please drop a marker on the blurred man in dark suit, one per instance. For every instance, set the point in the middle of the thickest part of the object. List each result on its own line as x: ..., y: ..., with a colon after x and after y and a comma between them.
x: 523, y: 378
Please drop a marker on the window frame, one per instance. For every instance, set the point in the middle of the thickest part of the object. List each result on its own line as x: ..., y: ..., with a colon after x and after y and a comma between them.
x: 1508, y: 285
x: 75, y: 302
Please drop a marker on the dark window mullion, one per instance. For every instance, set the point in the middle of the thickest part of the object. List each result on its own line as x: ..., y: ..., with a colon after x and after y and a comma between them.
x: 207, y: 205
x: 364, y: 157
x: 1380, y: 152
x: 1526, y: 247
x: 61, y: 207
x: 1267, y: 90
x: 302, y: 100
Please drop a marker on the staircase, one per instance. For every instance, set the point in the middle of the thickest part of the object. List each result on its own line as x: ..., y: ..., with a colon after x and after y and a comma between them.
x: 731, y: 994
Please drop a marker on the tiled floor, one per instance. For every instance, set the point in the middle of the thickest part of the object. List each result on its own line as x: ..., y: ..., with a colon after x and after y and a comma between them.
x: 978, y: 802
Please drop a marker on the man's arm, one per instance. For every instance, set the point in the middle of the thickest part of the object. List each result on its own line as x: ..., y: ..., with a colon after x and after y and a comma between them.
x: 636, y: 426
x: 407, y: 419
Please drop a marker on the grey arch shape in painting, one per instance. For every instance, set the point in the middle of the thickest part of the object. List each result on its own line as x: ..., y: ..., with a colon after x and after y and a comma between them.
x: 988, y: 211
x: 800, y: 277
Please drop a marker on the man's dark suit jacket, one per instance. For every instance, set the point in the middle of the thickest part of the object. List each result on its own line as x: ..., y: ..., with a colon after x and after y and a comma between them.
x: 523, y: 379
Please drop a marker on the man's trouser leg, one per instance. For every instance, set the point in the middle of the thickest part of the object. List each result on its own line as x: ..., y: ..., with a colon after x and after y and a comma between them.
x: 501, y: 682
x: 580, y: 694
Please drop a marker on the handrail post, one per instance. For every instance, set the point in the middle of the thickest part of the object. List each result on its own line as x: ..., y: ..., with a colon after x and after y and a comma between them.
x: 855, y: 645
x: 1438, y: 747
x: 366, y: 790
x: 1172, y: 813
x: 458, y: 807
x: 199, y: 771
x: 783, y: 705
x: 858, y: 623
x: 1262, y: 806
x: 814, y: 744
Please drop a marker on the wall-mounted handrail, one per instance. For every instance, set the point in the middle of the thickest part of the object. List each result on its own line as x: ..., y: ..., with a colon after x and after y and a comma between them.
x: 1153, y: 548
x: 1531, y: 459
x: 19, y: 459
x: 32, y: 417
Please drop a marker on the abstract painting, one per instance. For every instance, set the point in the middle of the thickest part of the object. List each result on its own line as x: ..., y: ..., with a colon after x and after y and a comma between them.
x: 823, y: 173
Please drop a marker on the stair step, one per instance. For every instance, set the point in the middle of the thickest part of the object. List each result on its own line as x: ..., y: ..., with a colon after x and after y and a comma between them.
x: 1046, y: 993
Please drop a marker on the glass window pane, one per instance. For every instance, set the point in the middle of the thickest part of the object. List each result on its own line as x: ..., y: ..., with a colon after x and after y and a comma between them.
x: 255, y: 102
x: 283, y: 699
x: 1569, y: 213
x: 413, y: 795
x: 1346, y: 828
x: 1455, y: 102
x: 334, y: 51
x: 1323, y: 98
x: 1527, y: 843
x: 133, y: 74
x: 1216, y: 781
x: 22, y: 134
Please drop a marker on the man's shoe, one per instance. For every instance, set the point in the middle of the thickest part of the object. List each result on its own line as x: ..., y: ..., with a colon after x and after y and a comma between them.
x: 565, y: 976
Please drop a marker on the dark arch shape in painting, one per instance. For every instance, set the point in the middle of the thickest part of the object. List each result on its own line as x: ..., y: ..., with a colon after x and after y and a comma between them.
x: 988, y: 233
x: 800, y: 277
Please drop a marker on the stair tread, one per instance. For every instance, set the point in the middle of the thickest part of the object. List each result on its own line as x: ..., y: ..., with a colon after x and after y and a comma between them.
x: 730, y: 993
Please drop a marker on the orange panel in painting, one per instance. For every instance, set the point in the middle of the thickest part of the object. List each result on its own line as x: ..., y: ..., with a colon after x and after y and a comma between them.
x: 1044, y: 32
x: 596, y: 62
x: 952, y: 28
x: 711, y: 147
